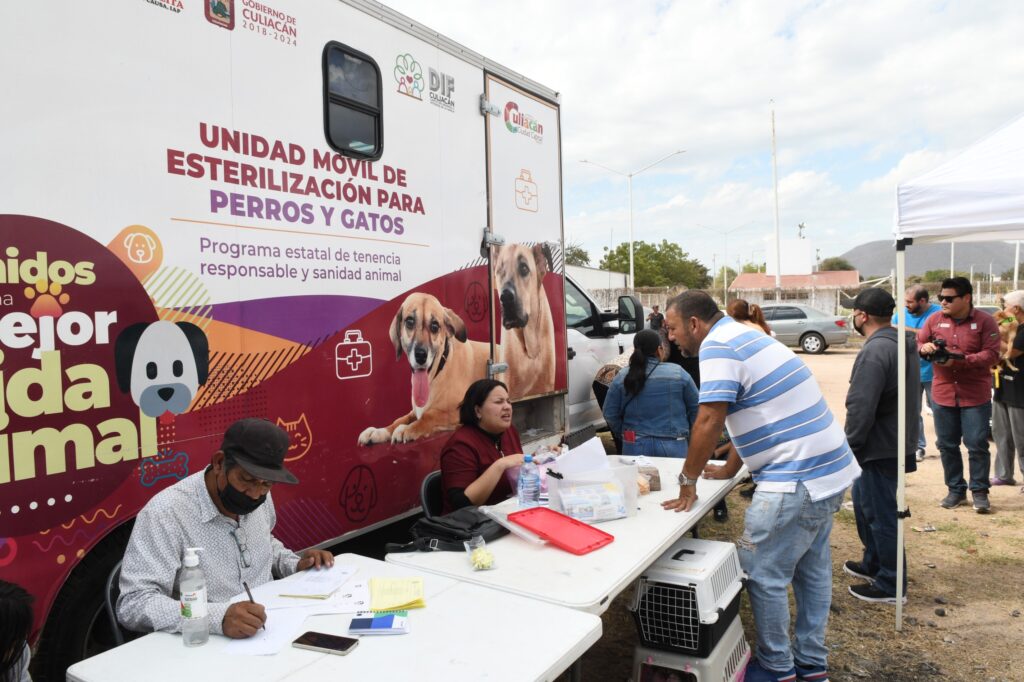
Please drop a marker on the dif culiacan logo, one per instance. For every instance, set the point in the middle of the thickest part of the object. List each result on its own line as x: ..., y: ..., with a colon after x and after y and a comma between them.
x: 68, y: 435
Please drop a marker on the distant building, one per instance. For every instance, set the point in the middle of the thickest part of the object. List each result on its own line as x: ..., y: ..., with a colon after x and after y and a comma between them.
x: 818, y: 290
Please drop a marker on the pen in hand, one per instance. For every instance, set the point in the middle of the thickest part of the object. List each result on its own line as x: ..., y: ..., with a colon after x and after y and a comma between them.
x: 251, y: 600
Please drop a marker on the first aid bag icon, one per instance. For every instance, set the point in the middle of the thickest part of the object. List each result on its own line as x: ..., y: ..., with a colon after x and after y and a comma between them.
x: 352, y: 357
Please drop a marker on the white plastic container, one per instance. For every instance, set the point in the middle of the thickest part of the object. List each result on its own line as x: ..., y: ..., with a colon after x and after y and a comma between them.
x: 625, y: 474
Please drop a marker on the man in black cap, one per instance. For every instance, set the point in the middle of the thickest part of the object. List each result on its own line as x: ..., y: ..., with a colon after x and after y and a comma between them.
x: 871, y: 430
x: 227, y: 511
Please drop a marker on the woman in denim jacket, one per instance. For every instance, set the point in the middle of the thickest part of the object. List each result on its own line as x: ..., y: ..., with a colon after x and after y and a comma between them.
x: 652, y: 406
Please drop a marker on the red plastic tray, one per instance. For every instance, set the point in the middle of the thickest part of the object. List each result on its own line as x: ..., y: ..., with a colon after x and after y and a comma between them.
x: 560, y: 530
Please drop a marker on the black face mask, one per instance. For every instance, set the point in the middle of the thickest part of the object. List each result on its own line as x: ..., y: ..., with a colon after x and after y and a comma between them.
x: 237, y: 502
x: 860, y: 329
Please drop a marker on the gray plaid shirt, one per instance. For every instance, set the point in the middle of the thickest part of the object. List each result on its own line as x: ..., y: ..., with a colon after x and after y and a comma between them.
x: 184, y: 516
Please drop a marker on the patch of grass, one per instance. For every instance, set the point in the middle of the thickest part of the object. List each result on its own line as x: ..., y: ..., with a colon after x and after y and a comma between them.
x: 955, y: 535
x: 1006, y: 521
x: 846, y: 516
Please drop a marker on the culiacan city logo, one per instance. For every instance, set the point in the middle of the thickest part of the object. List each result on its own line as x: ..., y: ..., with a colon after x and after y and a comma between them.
x: 521, y: 123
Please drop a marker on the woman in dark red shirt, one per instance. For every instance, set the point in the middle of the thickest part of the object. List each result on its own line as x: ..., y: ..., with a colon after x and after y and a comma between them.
x: 476, y: 457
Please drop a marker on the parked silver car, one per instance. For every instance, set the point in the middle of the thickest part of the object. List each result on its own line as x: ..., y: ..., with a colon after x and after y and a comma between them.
x: 811, y: 330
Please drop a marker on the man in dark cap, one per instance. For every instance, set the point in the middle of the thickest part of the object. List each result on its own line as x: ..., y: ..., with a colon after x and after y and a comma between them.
x: 226, y: 510
x: 871, y: 430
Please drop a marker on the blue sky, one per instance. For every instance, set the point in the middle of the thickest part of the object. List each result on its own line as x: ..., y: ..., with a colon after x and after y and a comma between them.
x: 866, y: 94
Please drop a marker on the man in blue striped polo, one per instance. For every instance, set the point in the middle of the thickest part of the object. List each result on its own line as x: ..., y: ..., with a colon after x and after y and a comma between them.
x: 783, y: 431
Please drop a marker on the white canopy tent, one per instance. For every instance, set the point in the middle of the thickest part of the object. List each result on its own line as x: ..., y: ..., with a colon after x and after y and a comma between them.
x: 976, y: 196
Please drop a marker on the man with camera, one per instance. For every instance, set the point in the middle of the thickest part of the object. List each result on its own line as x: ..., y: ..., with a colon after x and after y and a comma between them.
x: 962, y: 343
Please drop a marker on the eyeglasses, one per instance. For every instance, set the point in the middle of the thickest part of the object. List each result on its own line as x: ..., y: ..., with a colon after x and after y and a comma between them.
x: 250, y: 482
x: 243, y: 548
x: 949, y: 299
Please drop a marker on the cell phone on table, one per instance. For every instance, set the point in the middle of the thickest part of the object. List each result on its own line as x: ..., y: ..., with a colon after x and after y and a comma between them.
x: 328, y: 644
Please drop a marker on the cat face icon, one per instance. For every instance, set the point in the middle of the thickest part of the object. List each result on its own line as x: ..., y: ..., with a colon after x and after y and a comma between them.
x: 300, y: 435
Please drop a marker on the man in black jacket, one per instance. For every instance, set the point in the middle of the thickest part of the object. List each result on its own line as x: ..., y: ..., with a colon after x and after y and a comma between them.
x: 871, y: 422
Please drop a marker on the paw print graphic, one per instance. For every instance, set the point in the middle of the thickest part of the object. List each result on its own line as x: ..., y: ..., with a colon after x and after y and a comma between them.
x: 48, y: 299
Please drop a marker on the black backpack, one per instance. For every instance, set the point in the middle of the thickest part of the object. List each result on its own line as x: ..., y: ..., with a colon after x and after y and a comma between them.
x: 448, y: 532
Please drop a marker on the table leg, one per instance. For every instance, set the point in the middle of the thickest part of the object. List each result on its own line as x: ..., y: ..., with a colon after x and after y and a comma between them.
x: 576, y: 671
x: 695, y: 531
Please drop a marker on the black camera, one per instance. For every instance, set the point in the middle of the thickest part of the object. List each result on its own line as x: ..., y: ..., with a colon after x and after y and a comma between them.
x: 941, y: 356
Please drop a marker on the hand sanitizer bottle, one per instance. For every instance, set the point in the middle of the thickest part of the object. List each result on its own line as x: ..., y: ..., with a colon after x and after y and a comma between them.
x: 195, y: 622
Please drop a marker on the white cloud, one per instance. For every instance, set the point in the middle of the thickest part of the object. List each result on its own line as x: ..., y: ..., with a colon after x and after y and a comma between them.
x: 865, y: 93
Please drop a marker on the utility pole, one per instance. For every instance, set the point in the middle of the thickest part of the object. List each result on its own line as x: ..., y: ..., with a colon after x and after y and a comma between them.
x: 778, y: 247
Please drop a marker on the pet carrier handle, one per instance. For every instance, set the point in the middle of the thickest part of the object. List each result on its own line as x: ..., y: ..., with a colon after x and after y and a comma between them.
x: 675, y: 557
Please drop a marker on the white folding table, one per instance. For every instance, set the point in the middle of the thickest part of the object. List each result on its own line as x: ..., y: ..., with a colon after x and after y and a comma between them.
x: 588, y: 582
x: 464, y: 633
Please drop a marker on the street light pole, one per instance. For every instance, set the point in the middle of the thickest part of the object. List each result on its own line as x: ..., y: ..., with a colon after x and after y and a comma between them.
x: 629, y: 182
x: 725, y: 267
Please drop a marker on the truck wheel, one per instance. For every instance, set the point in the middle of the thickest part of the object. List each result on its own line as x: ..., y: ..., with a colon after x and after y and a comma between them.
x: 812, y: 343
x: 77, y: 627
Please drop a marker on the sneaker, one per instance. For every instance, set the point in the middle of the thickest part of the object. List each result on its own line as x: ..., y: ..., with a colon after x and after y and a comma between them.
x: 857, y: 570
x: 868, y: 592
x: 811, y: 673
x: 721, y: 514
x: 995, y: 480
x: 758, y: 673
x: 920, y: 454
x: 953, y: 500
x: 981, y: 504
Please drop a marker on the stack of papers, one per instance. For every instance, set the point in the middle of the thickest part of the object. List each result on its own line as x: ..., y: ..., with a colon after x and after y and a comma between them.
x: 393, y: 594
x: 370, y: 623
x: 316, y: 583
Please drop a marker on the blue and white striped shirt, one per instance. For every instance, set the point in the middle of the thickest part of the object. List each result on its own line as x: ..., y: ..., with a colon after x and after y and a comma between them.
x: 777, y: 418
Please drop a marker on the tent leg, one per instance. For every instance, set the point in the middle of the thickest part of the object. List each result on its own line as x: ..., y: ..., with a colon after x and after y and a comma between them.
x: 901, y: 432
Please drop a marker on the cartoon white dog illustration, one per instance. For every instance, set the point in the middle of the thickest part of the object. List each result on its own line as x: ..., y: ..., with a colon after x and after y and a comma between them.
x: 162, y: 364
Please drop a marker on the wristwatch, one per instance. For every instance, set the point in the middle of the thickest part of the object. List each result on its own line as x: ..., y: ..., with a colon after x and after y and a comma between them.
x: 683, y: 480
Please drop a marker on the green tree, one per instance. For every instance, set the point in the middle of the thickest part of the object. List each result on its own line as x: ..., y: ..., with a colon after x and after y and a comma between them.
x: 753, y: 267
x: 835, y: 263
x: 1008, y: 275
x: 730, y: 275
x: 941, y: 274
x: 657, y: 265
x: 575, y: 254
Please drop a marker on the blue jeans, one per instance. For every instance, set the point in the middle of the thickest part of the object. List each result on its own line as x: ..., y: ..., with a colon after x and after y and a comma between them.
x: 785, y: 542
x: 874, y: 507
x: 969, y: 424
x: 656, y: 447
x: 926, y: 387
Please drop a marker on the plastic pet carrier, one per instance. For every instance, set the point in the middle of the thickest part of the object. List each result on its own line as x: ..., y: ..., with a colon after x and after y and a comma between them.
x: 727, y: 662
x: 686, y: 600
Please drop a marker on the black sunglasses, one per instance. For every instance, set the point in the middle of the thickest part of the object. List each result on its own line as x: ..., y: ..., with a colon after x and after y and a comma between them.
x: 949, y: 299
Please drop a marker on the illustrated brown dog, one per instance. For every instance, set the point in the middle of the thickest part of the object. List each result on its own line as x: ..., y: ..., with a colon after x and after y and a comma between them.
x: 443, y: 363
x: 1007, y: 333
x: 528, y: 342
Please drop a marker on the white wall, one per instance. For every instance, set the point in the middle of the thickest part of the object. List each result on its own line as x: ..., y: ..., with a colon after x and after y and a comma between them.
x: 592, y: 278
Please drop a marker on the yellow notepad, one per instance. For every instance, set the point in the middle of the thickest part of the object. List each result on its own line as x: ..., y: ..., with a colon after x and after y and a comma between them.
x: 389, y: 594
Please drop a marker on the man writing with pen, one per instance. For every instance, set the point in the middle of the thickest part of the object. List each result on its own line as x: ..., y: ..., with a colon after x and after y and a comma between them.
x: 227, y: 510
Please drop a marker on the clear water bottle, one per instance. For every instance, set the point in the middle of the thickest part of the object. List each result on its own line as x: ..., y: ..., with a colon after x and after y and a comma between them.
x: 195, y: 620
x: 528, y: 488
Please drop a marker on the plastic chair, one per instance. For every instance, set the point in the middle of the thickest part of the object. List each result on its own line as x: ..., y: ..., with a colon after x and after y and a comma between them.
x: 430, y: 494
x: 111, y: 593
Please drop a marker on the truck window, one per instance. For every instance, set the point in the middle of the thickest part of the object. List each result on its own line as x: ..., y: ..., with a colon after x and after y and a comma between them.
x: 352, y: 102
x: 579, y: 311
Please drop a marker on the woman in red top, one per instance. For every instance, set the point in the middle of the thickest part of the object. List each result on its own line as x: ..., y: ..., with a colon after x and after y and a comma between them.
x: 476, y: 457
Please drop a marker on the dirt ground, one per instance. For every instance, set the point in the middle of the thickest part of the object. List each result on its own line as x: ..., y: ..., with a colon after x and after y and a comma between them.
x: 962, y: 620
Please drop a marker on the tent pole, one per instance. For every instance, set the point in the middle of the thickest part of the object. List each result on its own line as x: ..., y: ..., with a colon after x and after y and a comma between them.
x: 901, y: 429
x: 951, y: 247
x: 1016, y: 265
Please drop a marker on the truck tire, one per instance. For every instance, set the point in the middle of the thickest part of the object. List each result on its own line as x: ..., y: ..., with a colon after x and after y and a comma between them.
x: 77, y: 626
x: 813, y: 343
